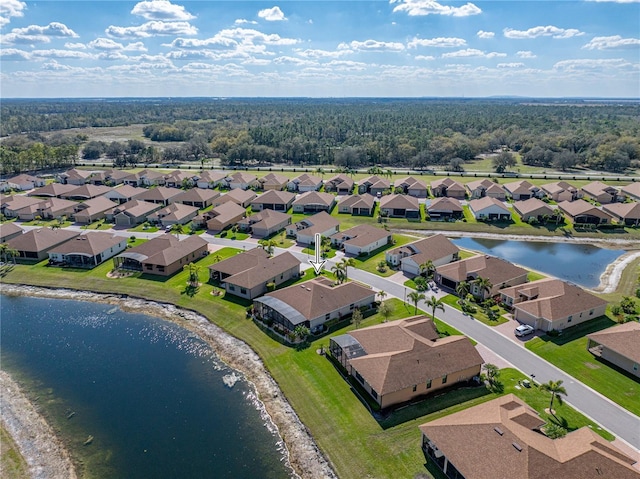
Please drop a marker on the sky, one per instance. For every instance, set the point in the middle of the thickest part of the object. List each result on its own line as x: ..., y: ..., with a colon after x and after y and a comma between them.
x: 316, y: 48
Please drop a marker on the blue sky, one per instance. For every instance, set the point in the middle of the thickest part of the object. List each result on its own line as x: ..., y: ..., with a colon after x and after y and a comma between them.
x: 397, y: 48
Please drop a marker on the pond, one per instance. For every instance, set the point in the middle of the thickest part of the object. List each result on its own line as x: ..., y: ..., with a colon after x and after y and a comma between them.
x: 155, y: 398
x: 581, y: 264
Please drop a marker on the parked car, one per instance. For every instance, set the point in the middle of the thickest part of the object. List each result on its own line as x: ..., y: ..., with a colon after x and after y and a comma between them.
x: 523, y: 330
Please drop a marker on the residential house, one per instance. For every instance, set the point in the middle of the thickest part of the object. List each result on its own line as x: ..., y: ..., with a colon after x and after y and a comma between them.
x: 265, y: 223
x: 11, y: 205
x: 533, y: 208
x: 238, y: 196
x: 74, y: 176
x: 400, y: 206
x: 247, y: 274
x: 241, y: 180
x: 583, y: 212
x: 361, y: 239
x: 26, y: 213
x: 410, y: 257
x: 273, y: 181
x: 399, y: 361
x: 631, y: 191
x: 163, y: 255
x: 521, y: 190
x: 313, y: 201
x: 489, y: 209
x: 179, y: 179
x: 54, y: 208
x: 549, y: 304
x: 124, y: 193
x: 321, y: 223
x: 560, y: 191
x: 198, y: 197
x: 312, y: 303
x: 25, y: 182
x: 52, y: 190
x: 174, y: 214
x: 448, y: 187
x: 131, y: 213
x: 92, y: 210
x: 108, y: 177
x: 341, y: 184
x: 411, y: 186
x: 145, y: 178
x: 35, y: 244
x: 445, y: 209
x: 211, y: 179
x: 223, y: 216
x: 481, y: 188
x: 498, y: 271
x: 9, y: 231
x: 161, y: 195
x: 273, y: 200
x: 503, y: 438
x: 87, y: 250
x: 86, y: 192
x: 304, y: 183
x: 357, y: 205
x: 626, y: 213
x: 600, y: 192
x: 618, y: 345
x: 374, y: 185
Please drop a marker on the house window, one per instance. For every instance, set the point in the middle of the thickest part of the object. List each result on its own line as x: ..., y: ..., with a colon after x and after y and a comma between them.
x: 327, y: 316
x: 243, y: 291
x: 569, y: 319
x: 635, y: 367
x: 444, y: 379
x: 351, y: 307
x: 429, y: 384
x: 374, y: 394
x: 232, y: 287
x: 161, y: 268
x: 359, y: 378
x: 148, y: 266
x: 415, y: 387
x: 591, y: 313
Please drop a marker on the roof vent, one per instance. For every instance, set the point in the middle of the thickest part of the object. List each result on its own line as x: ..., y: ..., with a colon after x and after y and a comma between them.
x: 517, y: 446
x: 498, y: 430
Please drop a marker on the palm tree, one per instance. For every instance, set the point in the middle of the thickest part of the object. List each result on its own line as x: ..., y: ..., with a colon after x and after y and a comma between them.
x: 435, y: 303
x: 557, y: 390
x: 217, y: 258
x: 3, y: 251
x: 338, y: 270
x: 346, y: 262
x: 382, y: 294
x: 12, y: 253
x: 415, y: 298
x: 268, y: 245
x: 320, y: 171
x: 427, y: 268
x: 483, y: 285
x: 177, y: 229
x: 462, y: 289
x: 194, y: 273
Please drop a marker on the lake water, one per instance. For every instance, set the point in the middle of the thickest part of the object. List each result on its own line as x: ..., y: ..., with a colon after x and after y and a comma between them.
x: 150, y: 393
x: 578, y: 263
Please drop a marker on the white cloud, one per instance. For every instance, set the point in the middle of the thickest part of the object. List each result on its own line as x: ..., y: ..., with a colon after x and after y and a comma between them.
x: 440, y: 42
x: 152, y: 28
x: 473, y: 52
x: 273, y: 14
x: 431, y: 7
x: 75, y: 46
x: 11, y: 8
x: 244, y: 39
x: 424, y: 57
x: 510, y: 65
x: 286, y: 60
x: 55, y: 53
x: 315, y: 53
x: 13, y: 54
x: 483, y: 34
x: 372, y: 46
x: 592, y: 64
x: 38, y: 33
x: 540, y: 31
x: 612, y: 42
x: 526, y: 54
x: 242, y: 21
x: 106, y: 44
x: 161, y: 10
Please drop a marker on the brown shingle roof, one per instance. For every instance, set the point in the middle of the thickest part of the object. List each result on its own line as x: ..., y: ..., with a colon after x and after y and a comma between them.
x: 432, y: 248
x: 624, y: 339
x: 52, y: 189
x: 361, y: 235
x: 266, y: 219
x: 315, y: 198
x: 240, y: 262
x: 41, y: 239
x: 445, y: 204
x: 359, y: 201
x: 87, y: 191
x: 264, y: 270
x: 532, y: 205
x: 159, y: 193
x: 166, y: 249
x: 497, y: 270
x: 273, y: 179
x: 8, y: 229
x: 410, y: 182
x: 197, y: 195
x: 486, y: 202
x: 274, y: 197
x: 174, y: 212
x: 136, y: 208
x: 581, y: 207
x: 237, y: 196
x: 481, y: 443
x: 402, y: 353
x: 317, y: 297
x: 403, y: 202
x: 318, y: 223
x: 623, y: 210
x: 90, y: 243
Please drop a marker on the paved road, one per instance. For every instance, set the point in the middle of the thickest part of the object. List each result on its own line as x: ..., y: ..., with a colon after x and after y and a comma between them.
x: 612, y: 417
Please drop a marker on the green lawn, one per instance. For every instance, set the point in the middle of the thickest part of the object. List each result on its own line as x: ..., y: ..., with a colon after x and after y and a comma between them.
x: 370, y: 262
x: 144, y: 229
x: 569, y: 352
x: 228, y: 234
x: 326, y: 254
x: 480, y: 315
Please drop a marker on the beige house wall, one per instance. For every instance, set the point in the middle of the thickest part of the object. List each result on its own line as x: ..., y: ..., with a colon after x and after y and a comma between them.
x: 176, y: 265
x: 621, y: 361
x: 559, y: 324
x: 261, y: 289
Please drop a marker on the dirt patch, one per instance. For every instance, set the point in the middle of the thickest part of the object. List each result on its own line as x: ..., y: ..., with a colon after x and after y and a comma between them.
x: 592, y: 366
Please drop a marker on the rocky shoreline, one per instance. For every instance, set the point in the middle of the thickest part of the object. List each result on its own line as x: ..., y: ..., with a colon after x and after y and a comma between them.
x: 303, y: 454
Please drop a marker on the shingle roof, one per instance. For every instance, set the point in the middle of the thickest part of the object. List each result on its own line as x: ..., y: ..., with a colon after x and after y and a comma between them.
x: 237, y: 196
x: 52, y: 189
x: 497, y: 270
x: 557, y: 187
x: 358, y: 201
x: 581, y: 207
x: 266, y: 219
x: 197, y: 195
x: 532, y: 205
x: 91, y: 243
x: 241, y: 177
x: 240, y: 262
x: 481, y: 443
x: 128, y: 191
x: 519, y: 187
x: 624, y: 339
x: 632, y: 189
x: 41, y: 239
x: 403, y: 353
x: 166, y: 249
x: 410, y: 182
x: 432, y: 248
x: 8, y: 229
x: 487, y: 202
x: 315, y: 198
x: 596, y: 188
x: 307, y: 180
x: 317, y: 297
x: 265, y: 269
x: 87, y: 191
x: 341, y: 181
x: 136, y: 208
x: 174, y: 212
x: 274, y: 197
x: 400, y: 202
x: 159, y: 193
x: 273, y: 179
x: 623, y: 210
x: 318, y: 223
x: 444, y: 204
x: 361, y: 235
x: 17, y: 202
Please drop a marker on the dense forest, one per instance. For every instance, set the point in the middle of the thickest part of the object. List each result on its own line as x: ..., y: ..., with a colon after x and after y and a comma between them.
x: 351, y: 133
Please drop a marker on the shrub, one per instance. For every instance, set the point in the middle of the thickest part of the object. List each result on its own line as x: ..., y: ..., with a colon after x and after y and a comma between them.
x: 271, y: 286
